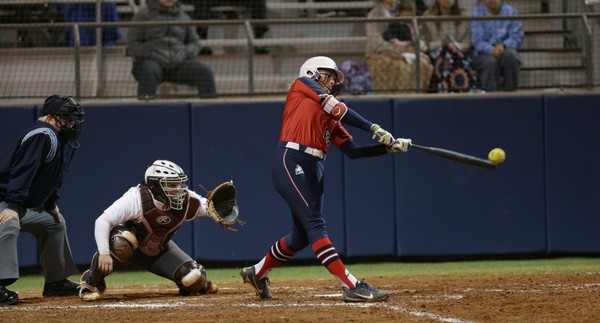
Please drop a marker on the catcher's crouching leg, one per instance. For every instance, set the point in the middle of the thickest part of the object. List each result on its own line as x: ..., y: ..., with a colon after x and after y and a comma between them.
x: 123, y: 244
x: 92, y: 282
x: 190, y: 277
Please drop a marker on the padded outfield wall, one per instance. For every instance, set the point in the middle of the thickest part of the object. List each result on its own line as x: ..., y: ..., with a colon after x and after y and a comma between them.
x: 544, y: 200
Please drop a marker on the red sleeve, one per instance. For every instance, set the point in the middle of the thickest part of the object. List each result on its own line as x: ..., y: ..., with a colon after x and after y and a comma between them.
x: 339, y: 134
x: 334, y: 108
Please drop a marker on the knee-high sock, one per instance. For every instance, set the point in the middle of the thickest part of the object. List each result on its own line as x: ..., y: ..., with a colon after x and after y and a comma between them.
x: 325, y: 252
x: 277, y: 255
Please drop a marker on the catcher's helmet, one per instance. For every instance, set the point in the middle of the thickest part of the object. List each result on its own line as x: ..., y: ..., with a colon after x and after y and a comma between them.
x: 68, y: 109
x: 167, y: 181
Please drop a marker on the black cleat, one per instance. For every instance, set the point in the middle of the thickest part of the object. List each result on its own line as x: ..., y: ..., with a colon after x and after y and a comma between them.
x: 65, y: 287
x: 7, y: 297
x: 364, y: 292
x: 261, y: 286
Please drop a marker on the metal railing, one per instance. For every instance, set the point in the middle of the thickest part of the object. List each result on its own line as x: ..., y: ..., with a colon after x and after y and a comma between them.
x: 585, y: 30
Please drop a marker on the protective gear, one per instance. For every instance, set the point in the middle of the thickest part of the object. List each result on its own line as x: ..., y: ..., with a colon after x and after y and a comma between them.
x: 67, y: 109
x: 157, y: 225
x: 92, y: 282
x: 190, y: 277
x: 123, y: 243
x: 381, y: 135
x: 222, y: 205
x: 311, y: 68
x: 399, y: 145
x: 167, y: 181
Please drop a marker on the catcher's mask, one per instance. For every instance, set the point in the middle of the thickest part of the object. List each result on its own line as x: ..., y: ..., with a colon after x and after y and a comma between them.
x: 319, y: 68
x: 167, y: 182
x: 68, y: 111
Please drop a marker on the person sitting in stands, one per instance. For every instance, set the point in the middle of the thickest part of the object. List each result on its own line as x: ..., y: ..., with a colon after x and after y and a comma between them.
x: 167, y: 53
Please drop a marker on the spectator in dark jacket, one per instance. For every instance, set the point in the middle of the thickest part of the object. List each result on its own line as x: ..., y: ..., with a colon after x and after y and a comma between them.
x: 167, y: 53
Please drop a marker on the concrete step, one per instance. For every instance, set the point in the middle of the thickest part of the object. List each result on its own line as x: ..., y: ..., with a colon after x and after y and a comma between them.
x: 544, y: 40
x: 551, y: 59
x: 548, y: 79
x: 542, y: 25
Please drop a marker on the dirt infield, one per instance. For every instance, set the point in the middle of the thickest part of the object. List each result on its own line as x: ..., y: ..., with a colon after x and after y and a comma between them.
x: 561, y: 297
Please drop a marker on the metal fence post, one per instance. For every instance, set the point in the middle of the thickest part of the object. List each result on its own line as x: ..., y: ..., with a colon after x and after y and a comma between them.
x: 589, y: 61
x: 250, y: 37
x: 100, y: 76
x: 77, y: 56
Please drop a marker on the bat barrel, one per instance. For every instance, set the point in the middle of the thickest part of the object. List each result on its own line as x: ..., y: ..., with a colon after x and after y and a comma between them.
x: 458, y: 157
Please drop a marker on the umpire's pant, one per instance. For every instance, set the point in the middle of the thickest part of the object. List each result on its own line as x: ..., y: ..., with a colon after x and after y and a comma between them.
x: 57, y: 260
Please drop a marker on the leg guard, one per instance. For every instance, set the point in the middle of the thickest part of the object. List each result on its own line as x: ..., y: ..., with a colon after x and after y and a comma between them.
x: 123, y: 243
x: 190, y: 277
x: 92, y: 282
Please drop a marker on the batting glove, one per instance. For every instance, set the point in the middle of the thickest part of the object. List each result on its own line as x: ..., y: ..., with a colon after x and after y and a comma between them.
x: 399, y: 145
x: 381, y: 135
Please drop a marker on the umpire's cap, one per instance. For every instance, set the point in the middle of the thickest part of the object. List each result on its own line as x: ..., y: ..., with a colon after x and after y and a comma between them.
x: 62, y: 106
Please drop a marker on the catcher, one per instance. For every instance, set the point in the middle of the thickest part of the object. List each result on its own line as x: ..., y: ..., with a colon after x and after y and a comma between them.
x: 137, y: 229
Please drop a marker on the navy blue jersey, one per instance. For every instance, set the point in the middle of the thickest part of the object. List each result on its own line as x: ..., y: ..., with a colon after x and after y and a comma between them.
x: 32, y: 169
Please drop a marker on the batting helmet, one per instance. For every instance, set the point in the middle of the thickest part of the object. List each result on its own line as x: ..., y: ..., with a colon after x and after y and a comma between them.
x: 312, y: 65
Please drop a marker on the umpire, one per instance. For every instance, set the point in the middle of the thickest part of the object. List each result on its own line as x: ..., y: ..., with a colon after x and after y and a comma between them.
x: 31, y: 171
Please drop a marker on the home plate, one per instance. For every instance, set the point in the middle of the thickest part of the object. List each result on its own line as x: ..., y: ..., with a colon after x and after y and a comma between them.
x: 329, y: 295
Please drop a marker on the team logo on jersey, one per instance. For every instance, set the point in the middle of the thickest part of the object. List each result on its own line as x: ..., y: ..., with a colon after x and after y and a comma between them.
x: 163, y: 219
x: 299, y: 170
x: 326, y: 136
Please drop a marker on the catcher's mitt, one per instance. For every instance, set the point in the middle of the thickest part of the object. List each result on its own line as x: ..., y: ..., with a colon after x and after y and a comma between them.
x: 222, y: 205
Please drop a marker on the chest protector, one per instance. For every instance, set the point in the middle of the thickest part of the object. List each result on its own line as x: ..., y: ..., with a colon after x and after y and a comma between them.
x: 158, y: 226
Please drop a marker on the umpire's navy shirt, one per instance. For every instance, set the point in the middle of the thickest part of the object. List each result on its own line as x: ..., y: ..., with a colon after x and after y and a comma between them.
x: 32, y: 169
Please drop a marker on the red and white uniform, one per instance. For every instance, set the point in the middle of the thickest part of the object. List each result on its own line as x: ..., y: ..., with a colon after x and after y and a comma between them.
x: 312, y: 119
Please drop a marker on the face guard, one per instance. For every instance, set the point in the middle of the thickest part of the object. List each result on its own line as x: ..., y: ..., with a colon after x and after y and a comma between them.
x: 167, y: 182
x: 70, y: 114
x: 317, y: 65
x: 322, y: 77
x: 175, y: 190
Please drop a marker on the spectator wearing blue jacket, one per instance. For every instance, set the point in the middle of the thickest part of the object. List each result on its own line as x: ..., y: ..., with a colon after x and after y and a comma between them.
x: 495, y: 45
x: 86, y: 12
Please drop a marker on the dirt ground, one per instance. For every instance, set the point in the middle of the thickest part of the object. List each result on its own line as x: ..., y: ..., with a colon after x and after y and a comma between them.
x: 560, y: 297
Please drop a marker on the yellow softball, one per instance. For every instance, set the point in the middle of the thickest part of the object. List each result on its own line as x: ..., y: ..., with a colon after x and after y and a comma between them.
x: 497, y: 156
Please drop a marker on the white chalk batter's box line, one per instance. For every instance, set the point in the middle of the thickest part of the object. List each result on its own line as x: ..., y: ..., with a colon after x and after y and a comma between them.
x: 179, y: 305
x: 212, y: 302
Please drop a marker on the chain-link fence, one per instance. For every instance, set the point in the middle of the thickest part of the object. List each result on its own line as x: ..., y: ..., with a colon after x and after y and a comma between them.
x: 40, y: 53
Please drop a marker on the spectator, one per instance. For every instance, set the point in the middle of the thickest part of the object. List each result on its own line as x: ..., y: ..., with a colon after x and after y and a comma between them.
x: 257, y: 9
x: 448, y: 43
x: 31, y: 172
x: 167, y: 53
x: 495, y: 45
x: 392, y: 49
x: 86, y: 12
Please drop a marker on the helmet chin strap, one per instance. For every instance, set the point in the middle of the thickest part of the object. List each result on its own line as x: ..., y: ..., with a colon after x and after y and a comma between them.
x: 334, y: 90
x: 325, y: 85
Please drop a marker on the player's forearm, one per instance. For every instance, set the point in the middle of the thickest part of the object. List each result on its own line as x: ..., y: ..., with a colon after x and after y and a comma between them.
x: 353, y: 151
x: 101, y: 234
x: 352, y: 118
